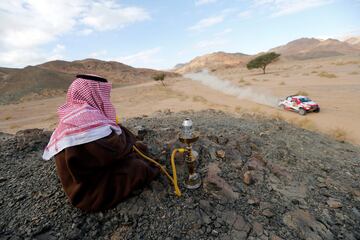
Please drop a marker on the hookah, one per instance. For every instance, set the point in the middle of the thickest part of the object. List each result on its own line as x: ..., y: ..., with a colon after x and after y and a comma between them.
x: 187, y: 136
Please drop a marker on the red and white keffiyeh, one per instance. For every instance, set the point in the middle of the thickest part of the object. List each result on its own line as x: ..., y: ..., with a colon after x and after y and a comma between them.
x: 87, y: 115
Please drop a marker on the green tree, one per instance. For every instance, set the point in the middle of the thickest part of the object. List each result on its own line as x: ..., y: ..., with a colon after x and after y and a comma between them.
x: 263, y: 60
x: 160, y: 77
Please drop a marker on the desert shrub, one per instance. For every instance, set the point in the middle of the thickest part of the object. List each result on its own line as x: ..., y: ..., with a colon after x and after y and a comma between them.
x: 160, y: 77
x: 199, y: 99
x: 338, y: 134
x: 282, y: 83
x: 238, y: 109
x: 341, y: 63
x: 305, y: 74
x: 14, y: 126
x: 305, y: 123
x: 7, y: 118
x: 242, y: 80
x: 247, y: 84
x: 277, y: 116
x: 314, y: 71
x: 327, y: 75
x: 354, y: 73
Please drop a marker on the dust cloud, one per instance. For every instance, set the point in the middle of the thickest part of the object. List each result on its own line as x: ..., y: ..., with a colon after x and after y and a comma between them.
x: 229, y: 88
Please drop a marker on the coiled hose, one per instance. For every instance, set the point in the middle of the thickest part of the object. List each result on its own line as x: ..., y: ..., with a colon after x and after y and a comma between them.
x: 173, y: 178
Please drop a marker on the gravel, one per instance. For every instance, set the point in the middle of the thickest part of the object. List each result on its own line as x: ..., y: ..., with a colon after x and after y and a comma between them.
x: 303, y: 185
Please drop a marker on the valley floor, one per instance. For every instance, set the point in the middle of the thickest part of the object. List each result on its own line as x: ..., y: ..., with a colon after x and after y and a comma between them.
x: 333, y: 82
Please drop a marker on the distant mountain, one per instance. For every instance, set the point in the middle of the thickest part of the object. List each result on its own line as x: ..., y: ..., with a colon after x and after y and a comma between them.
x: 354, y: 41
x: 309, y: 48
x: 53, y: 78
x: 212, y: 61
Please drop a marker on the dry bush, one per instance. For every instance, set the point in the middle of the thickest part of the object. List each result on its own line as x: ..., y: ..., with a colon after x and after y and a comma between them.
x: 314, y: 71
x: 199, y: 99
x: 341, y: 63
x: 306, y: 74
x: 255, y: 80
x: 238, y: 109
x: 354, y: 73
x: 302, y: 93
x: 7, y: 117
x: 318, y: 66
x: 247, y: 84
x: 282, y: 83
x: 265, y: 80
x: 338, y: 134
x: 327, y: 75
x: 242, y: 80
x: 14, y: 126
x: 277, y: 116
x: 305, y: 123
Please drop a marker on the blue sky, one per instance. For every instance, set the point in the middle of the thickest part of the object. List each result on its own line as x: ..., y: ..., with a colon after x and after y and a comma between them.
x: 159, y: 33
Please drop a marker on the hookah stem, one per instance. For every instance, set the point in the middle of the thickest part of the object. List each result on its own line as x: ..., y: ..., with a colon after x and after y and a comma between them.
x: 163, y: 169
x: 190, y: 160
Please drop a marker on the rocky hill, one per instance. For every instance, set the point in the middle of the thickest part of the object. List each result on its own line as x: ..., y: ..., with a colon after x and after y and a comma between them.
x: 299, y: 49
x: 114, y: 71
x: 31, y: 83
x: 213, y: 61
x: 308, y: 48
x: 262, y: 179
x: 53, y: 78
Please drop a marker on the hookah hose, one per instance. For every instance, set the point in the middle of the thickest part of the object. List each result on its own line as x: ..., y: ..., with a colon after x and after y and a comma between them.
x: 173, y: 178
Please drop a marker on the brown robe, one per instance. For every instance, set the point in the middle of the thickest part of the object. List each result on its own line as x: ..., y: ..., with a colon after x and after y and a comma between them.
x: 98, y: 175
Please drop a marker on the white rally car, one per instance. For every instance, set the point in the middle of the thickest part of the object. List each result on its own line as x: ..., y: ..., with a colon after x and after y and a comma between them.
x: 300, y: 104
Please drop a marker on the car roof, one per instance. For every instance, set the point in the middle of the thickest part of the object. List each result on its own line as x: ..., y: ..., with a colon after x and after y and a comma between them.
x: 298, y: 96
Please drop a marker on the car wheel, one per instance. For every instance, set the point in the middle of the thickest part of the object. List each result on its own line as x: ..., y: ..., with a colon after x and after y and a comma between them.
x: 302, y: 111
x: 317, y: 110
x: 282, y: 106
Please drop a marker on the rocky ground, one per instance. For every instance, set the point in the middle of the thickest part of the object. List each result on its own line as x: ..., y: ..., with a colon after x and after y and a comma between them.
x: 262, y: 179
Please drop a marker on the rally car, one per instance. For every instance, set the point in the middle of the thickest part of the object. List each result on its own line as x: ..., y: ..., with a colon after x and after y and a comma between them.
x: 300, y: 104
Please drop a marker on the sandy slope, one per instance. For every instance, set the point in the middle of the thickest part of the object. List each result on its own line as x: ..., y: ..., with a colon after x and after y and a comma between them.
x: 339, y: 97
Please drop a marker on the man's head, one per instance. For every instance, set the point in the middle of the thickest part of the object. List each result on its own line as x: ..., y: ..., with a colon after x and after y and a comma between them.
x: 91, y: 77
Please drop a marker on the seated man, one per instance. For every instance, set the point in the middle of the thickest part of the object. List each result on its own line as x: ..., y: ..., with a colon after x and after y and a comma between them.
x: 94, y: 157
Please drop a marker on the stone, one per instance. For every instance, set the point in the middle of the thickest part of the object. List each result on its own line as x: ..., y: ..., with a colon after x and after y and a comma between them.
x: 238, y: 235
x: 253, y: 201
x: 204, y: 205
x: 205, y: 218
x: 257, y: 229
x: 268, y: 213
x: 214, y: 232
x: 333, y: 203
x: 240, y: 224
x: 216, y: 185
x: 306, y: 226
x: 247, y: 178
x: 275, y: 237
x: 220, y: 154
x: 256, y: 162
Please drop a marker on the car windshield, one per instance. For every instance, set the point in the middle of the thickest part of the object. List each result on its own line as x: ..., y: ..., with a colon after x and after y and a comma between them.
x: 304, y: 99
